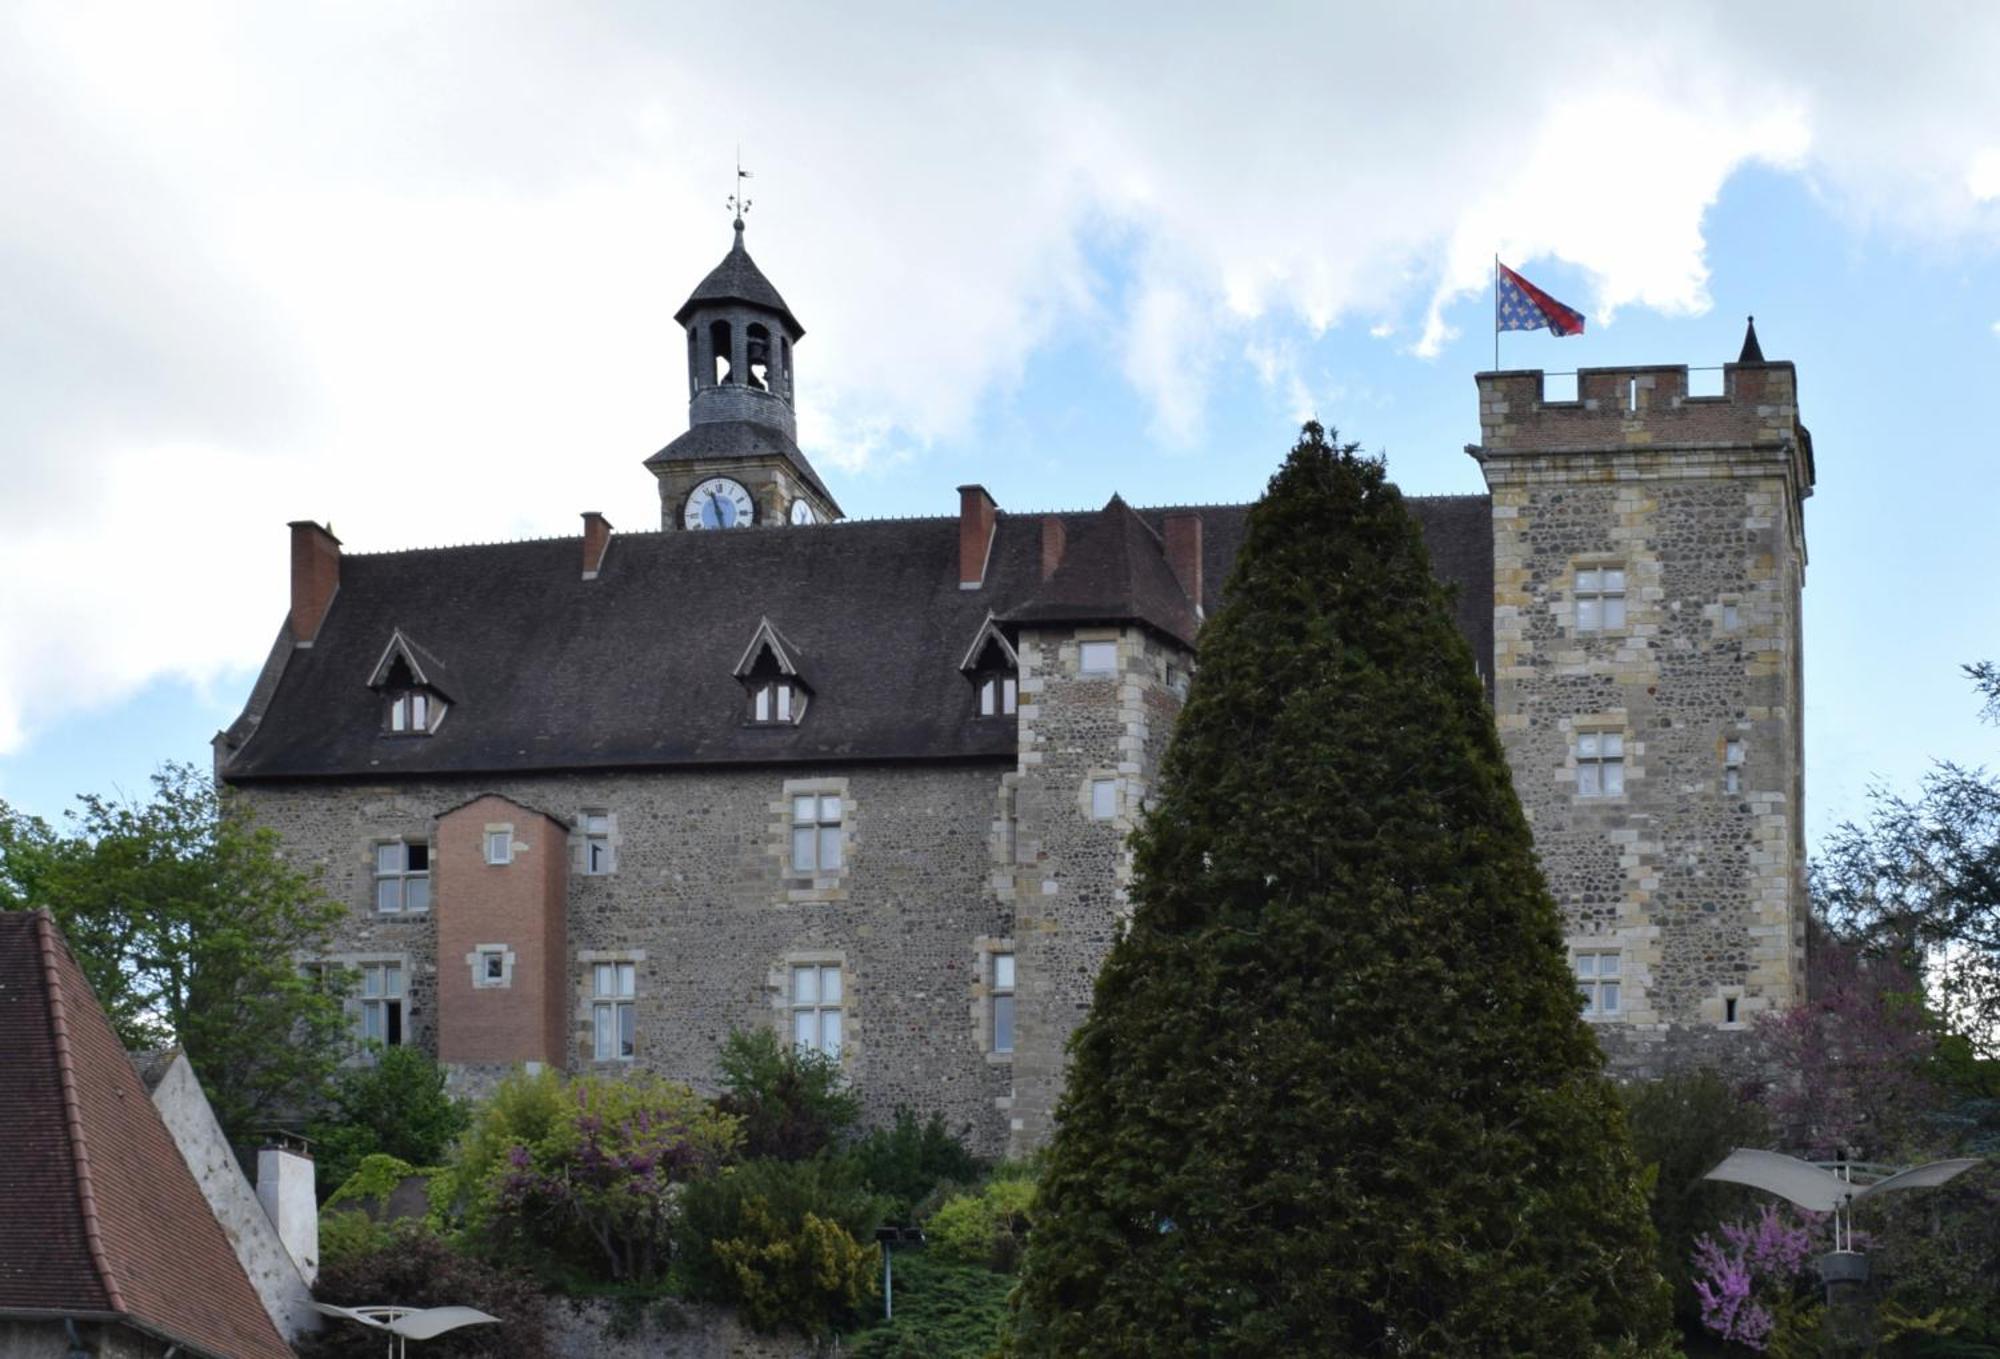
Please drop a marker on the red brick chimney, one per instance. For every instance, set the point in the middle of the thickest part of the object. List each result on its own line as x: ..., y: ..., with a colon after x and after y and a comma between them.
x: 315, y: 578
x: 1183, y: 537
x: 976, y: 512
x: 1054, y: 539
x: 596, y: 538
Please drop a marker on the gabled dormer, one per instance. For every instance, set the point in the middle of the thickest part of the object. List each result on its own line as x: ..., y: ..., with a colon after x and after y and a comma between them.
x: 774, y: 685
x: 994, y: 668
x: 412, y: 685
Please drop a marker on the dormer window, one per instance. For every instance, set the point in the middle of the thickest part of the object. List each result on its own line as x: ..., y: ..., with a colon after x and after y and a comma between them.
x: 411, y: 682
x: 414, y: 712
x: 994, y: 669
x: 775, y: 692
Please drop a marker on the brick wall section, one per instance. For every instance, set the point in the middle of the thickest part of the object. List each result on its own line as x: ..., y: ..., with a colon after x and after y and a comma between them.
x: 701, y: 890
x: 315, y: 578
x: 1698, y: 500
x: 519, y: 906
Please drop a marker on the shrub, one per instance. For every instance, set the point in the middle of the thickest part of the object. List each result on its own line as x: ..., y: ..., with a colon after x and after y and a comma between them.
x: 791, y: 1242
x: 523, y: 1109
x: 793, y: 1102
x: 395, y: 1106
x: 908, y: 1160
x: 943, y: 1311
x: 412, y: 1267
x: 599, y: 1194
x: 988, y: 1228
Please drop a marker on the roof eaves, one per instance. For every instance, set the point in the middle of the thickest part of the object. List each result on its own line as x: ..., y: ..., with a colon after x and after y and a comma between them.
x: 46, y: 944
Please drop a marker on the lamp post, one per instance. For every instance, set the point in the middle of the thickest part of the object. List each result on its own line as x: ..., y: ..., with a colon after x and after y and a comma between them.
x: 890, y: 1238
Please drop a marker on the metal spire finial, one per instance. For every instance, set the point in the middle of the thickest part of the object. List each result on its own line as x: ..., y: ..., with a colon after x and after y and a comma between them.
x: 738, y: 203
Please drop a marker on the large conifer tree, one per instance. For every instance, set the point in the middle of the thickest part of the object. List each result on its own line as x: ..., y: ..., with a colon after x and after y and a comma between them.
x: 1334, y: 1096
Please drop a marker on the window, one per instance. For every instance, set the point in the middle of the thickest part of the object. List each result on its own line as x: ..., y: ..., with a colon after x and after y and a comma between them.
x: 1097, y: 658
x: 774, y: 701
x: 1600, y: 764
x: 491, y: 966
x: 1600, y: 600
x: 414, y: 712
x: 382, y: 1003
x: 1597, y: 981
x: 1003, y: 1002
x: 613, y: 1013
x: 1103, y: 799
x: 816, y: 1008
x: 596, y: 843
x: 500, y: 847
x: 816, y: 833
x: 1729, y: 1009
x: 1732, y: 766
x: 1731, y: 619
x: 997, y: 695
x: 403, y: 876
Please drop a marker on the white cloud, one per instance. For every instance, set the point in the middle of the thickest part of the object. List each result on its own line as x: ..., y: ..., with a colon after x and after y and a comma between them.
x: 414, y: 270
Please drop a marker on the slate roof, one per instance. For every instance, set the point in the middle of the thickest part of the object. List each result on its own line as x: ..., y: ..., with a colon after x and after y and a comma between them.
x: 99, y: 1215
x: 738, y: 279
x: 635, y: 668
x: 716, y: 440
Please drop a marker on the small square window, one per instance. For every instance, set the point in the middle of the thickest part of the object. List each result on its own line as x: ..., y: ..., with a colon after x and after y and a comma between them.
x: 490, y: 967
x: 1097, y: 658
x: 596, y: 844
x: 1598, y: 981
x: 1103, y: 799
x: 1731, y: 619
x: 1600, y: 600
x: 998, y: 695
x: 776, y: 702
x: 402, y: 876
x: 499, y: 847
x: 817, y: 833
x: 1600, y: 764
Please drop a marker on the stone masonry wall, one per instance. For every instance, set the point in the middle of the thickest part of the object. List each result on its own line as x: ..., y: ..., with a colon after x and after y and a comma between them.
x: 1696, y: 500
x: 1070, y: 871
x: 702, y: 900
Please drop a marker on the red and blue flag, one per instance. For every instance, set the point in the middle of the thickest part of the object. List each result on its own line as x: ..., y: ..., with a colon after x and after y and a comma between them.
x: 1520, y: 305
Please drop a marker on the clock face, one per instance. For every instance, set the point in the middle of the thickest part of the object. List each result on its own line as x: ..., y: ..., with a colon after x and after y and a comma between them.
x: 802, y: 513
x: 719, y: 503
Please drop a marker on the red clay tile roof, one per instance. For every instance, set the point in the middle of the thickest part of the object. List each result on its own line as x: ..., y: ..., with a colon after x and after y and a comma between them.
x: 101, y: 1215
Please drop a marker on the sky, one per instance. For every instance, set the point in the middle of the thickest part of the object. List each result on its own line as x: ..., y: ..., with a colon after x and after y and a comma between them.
x: 412, y: 270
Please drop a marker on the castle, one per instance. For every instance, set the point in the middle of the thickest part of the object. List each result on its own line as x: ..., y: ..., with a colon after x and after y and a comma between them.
x: 594, y: 802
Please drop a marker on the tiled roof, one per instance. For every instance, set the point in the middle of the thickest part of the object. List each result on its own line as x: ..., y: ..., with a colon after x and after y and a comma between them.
x: 636, y: 668
x: 738, y: 279
x: 712, y: 440
x: 99, y: 1215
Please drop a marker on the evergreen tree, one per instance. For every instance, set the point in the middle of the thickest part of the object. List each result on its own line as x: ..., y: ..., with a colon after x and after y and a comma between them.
x: 1334, y: 1095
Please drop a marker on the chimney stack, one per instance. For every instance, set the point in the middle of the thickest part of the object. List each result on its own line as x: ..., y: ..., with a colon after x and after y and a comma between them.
x: 285, y: 1192
x: 1054, y: 539
x: 1183, y: 540
x: 976, y: 512
x: 596, y: 538
x: 315, y: 578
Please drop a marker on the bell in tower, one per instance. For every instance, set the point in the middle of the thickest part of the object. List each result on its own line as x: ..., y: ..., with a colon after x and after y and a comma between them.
x: 739, y: 463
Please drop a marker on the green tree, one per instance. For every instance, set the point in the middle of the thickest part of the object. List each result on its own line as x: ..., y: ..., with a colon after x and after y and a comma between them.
x: 1334, y: 1095
x: 394, y: 1106
x: 191, y: 926
x: 793, y: 1102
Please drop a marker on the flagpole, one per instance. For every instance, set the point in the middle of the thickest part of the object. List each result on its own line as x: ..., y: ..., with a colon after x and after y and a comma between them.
x: 1496, y: 311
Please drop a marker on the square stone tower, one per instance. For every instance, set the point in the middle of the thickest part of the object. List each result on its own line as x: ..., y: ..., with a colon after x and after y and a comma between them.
x: 1649, y: 552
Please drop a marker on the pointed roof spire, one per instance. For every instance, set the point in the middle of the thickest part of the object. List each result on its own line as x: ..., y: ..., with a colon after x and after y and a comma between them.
x: 1752, y: 351
x: 738, y: 279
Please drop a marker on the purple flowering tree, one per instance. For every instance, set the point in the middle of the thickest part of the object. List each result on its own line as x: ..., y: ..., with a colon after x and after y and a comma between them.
x: 599, y: 1193
x: 1755, y: 1283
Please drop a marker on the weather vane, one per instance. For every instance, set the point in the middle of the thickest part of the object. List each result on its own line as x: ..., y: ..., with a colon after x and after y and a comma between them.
x: 739, y: 203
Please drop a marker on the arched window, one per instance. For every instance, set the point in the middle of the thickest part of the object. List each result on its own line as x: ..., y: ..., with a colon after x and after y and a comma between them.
x: 757, y: 341
x: 785, y: 366
x: 723, y: 350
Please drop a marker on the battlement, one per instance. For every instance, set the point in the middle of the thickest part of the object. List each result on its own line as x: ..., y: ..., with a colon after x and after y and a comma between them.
x: 1639, y: 406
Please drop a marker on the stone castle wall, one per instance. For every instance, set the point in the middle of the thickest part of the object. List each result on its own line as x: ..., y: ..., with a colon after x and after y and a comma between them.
x: 1700, y: 889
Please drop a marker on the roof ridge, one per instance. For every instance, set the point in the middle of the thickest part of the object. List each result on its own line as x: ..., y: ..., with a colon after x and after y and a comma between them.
x: 46, y: 942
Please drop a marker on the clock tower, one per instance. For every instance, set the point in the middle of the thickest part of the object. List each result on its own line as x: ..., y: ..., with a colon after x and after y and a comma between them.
x: 739, y: 464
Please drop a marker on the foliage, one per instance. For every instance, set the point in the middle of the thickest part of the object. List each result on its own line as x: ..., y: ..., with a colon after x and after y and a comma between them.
x: 394, y: 1106
x: 348, y: 1233
x: 987, y: 1228
x: 523, y: 1110
x: 943, y: 1311
x: 908, y: 1160
x: 793, y: 1102
x: 189, y: 923
x: 1682, y: 1126
x: 1756, y: 1283
x: 784, y: 1240
x: 599, y: 1194
x: 374, y: 1180
x: 1919, y: 879
x: 412, y: 1267
x: 1853, y: 1059
x: 1334, y: 1094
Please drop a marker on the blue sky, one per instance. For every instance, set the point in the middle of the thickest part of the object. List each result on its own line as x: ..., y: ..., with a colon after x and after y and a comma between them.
x: 388, y: 299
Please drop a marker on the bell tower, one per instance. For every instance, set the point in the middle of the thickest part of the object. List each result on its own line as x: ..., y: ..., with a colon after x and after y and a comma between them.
x: 739, y: 463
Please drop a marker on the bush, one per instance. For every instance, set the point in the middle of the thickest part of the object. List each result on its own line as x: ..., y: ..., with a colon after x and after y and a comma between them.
x: 396, y: 1106
x: 412, y: 1267
x: 523, y: 1110
x: 988, y: 1228
x: 943, y: 1311
x: 790, y: 1242
x: 793, y: 1102
x: 907, y: 1161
